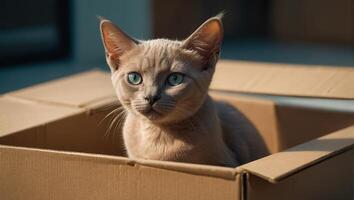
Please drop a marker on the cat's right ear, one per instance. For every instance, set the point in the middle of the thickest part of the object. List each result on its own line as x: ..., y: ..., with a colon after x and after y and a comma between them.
x: 115, y: 42
x: 206, y: 40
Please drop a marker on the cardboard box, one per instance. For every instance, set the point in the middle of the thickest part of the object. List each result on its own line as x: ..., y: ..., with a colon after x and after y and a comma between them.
x: 52, y: 146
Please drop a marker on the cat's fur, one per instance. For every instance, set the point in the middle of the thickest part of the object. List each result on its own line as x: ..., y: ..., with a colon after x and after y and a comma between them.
x: 185, y: 124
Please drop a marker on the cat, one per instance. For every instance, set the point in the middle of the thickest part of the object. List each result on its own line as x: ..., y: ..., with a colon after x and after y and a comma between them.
x: 163, y: 87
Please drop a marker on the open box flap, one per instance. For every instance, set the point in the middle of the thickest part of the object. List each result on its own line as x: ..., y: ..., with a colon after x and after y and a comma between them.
x: 280, y: 165
x: 79, y: 90
x: 284, y: 79
x: 17, y: 115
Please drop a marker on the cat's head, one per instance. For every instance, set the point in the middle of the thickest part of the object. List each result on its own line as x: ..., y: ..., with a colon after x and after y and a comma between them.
x: 162, y: 80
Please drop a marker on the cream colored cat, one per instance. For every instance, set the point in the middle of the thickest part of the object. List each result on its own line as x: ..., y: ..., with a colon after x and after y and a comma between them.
x: 163, y: 87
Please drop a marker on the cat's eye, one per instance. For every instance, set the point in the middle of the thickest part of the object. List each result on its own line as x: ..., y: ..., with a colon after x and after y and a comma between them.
x: 175, y: 79
x: 134, y: 78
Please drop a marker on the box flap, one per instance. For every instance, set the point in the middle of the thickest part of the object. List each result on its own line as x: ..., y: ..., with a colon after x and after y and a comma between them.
x: 18, y: 114
x: 284, y: 79
x: 330, y: 179
x: 283, y: 164
x: 77, y: 90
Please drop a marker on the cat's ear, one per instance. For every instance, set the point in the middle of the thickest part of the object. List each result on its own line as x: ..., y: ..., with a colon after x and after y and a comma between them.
x: 115, y: 42
x: 207, y: 39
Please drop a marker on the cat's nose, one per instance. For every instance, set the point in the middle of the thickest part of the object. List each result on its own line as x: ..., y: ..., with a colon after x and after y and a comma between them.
x: 152, y: 99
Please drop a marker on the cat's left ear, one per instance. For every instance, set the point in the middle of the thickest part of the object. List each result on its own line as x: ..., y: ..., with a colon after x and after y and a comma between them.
x: 207, y: 39
x: 115, y: 42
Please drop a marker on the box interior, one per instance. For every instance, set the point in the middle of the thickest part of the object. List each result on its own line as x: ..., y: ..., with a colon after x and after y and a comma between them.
x: 96, y: 131
x: 75, y: 113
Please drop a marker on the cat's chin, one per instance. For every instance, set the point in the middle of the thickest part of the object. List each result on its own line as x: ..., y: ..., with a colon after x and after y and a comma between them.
x: 152, y: 115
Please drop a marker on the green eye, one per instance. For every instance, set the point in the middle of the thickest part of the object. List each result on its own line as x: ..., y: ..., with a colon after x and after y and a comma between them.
x: 175, y: 79
x: 134, y: 78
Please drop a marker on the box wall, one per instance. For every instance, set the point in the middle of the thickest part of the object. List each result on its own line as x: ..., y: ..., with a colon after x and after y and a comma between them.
x: 79, y: 132
x: 284, y: 126
x: 297, y: 125
x: 32, y: 137
x: 48, y: 175
x: 85, y: 133
x: 260, y: 113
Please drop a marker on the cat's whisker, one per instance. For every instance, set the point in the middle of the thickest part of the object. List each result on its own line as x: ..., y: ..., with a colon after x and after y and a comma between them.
x: 117, y: 118
x: 109, y: 114
x: 140, y: 106
x: 110, y: 105
x: 117, y: 114
x: 120, y: 123
x: 108, y: 131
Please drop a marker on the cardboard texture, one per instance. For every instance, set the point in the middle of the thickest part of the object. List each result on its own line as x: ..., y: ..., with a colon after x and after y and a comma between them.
x: 54, y: 142
x: 59, y: 175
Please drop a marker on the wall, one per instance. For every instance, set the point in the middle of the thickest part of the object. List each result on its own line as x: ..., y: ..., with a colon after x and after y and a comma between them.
x: 133, y: 16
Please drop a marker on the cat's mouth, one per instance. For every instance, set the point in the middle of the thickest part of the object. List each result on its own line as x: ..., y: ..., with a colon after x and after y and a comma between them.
x: 151, y: 113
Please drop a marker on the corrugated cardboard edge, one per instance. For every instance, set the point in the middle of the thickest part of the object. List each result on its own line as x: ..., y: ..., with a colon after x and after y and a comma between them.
x: 300, y: 157
x: 196, y: 169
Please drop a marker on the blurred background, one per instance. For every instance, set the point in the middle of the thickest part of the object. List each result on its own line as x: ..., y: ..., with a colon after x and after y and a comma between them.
x: 46, y: 39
